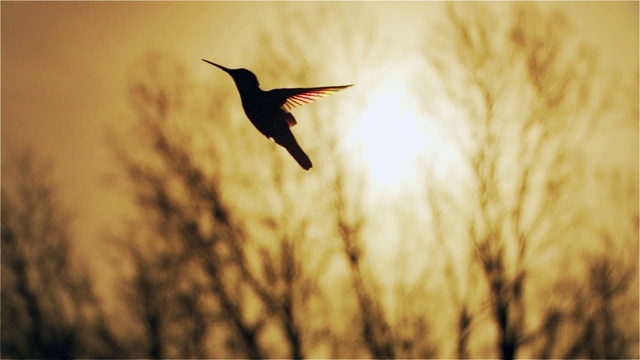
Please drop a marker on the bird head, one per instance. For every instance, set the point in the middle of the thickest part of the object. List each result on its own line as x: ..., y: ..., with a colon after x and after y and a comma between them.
x: 243, y: 78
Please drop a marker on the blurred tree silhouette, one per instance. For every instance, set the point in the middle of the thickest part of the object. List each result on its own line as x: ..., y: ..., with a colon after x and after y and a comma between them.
x: 356, y: 48
x: 528, y: 95
x: 49, y: 307
x: 202, y: 261
x: 588, y: 315
x: 459, y: 279
x: 228, y: 232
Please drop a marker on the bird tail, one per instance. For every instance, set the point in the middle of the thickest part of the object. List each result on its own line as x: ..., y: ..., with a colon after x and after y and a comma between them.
x: 289, y: 142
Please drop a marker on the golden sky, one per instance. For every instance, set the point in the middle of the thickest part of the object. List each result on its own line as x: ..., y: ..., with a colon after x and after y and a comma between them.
x: 65, y: 67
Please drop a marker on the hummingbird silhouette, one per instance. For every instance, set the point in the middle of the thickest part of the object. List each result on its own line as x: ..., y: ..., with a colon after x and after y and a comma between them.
x: 269, y: 112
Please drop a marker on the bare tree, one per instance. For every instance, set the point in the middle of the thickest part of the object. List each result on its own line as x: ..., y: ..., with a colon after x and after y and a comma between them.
x: 187, y: 217
x: 527, y: 93
x: 49, y: 306
x: 457, y: 270
x: 232, y: 209
x: 587, y: 316
x: 354, y: 47
x: 248, y: 273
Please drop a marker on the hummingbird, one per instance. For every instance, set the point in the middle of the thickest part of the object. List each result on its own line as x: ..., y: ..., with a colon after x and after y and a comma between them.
x: 269, y: 112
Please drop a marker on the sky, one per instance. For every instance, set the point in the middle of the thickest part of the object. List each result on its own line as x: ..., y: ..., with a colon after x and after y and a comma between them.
x: 66, y: 66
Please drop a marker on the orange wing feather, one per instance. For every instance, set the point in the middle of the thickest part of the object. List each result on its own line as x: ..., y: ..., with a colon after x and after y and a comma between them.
x: 298, y: 97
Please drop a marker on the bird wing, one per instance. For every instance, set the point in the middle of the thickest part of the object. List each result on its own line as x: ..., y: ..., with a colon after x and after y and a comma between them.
x: 290, y: 98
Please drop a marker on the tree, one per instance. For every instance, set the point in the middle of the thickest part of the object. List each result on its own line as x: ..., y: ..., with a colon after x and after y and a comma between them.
x: 49, y: 306
x: 357, y: 47
x: 243, y: 278
x: 585, y: 317
x: 218, y: 197
x: 527, y: 94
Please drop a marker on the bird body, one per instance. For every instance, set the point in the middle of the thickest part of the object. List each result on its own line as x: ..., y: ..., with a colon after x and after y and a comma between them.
x: 269, y: 112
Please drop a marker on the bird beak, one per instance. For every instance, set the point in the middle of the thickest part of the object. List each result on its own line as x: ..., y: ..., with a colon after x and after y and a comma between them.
x: 216, y: 65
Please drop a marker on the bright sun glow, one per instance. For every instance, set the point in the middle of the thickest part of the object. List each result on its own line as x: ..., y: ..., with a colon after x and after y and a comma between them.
x: 398, y: 142
x: 400, y: 146
x: 389, y: 133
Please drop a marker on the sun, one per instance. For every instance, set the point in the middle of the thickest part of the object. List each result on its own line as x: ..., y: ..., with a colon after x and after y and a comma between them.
x: 389, y: 133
